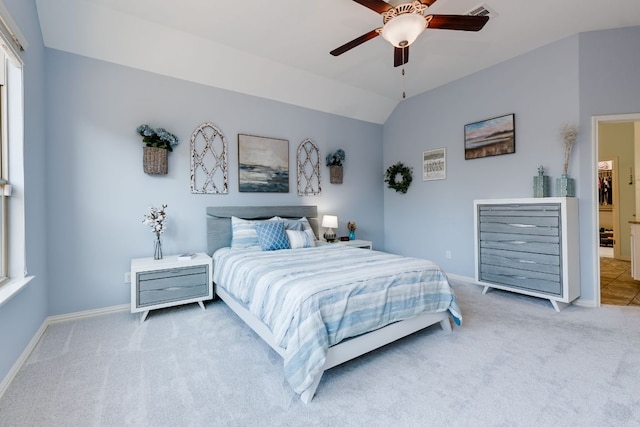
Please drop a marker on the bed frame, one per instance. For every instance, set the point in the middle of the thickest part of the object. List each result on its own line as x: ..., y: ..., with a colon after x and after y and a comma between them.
x: 219, y: 235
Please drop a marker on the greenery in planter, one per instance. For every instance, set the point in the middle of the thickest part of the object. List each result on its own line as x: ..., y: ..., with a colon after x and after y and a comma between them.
x: 159, y: 137
x: 336, y: 159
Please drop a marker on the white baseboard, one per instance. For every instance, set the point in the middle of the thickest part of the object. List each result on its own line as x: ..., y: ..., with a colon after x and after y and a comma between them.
x: 50, y: 321
x: 464, y: 280
x: 88, y: 313
x: 582, y: 302
x: 23, y: 358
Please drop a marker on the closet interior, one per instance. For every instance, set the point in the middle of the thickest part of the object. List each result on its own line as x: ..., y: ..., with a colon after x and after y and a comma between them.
x: 605, y: 196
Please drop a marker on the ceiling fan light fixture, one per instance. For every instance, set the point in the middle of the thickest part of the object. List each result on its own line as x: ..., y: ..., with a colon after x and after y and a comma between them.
x: 403, y: 30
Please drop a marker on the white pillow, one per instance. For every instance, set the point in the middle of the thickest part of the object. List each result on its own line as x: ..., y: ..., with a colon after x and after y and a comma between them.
x: 243, y: 233
x: 300, y: 239
x: 307, y: 227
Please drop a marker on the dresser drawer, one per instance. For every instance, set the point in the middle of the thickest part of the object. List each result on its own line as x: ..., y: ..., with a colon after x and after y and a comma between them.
x: 549, y: 245
x: 522, y: 279
x: 534, y: 220
x: 541, y: 262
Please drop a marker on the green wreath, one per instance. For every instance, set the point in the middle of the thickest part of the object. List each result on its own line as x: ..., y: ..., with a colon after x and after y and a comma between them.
x: 392, y: 173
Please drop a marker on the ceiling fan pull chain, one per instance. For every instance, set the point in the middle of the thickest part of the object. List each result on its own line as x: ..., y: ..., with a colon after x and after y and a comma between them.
x: 404, y: 93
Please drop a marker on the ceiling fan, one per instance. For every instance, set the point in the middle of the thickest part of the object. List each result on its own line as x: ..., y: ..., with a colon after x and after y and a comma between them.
x: 403, y: 23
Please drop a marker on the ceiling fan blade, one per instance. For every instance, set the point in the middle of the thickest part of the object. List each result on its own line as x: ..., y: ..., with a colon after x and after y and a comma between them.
x: 400, y: 57
x: 457, y: 22
x: 355, y: 42
x: 375, y: 5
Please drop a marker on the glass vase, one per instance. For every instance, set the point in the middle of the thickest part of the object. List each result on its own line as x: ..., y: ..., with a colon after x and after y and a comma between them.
x: 157, y: 251
x: 352, y: 235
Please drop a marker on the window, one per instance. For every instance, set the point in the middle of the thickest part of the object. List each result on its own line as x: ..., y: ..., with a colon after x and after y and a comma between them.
x: 13, y: 272
x: 4, y: 178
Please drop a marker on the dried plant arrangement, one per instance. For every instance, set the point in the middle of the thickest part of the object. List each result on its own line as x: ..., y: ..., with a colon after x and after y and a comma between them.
x: 569, y: 134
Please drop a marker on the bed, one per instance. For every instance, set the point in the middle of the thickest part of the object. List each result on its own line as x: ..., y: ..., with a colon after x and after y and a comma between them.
x: 322, y: 305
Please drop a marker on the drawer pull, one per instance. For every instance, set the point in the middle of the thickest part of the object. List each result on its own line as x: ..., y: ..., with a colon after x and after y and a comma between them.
x: 174, y: 288
x: 526, y: 261
x: 518, y: 242
x: 523, y: 225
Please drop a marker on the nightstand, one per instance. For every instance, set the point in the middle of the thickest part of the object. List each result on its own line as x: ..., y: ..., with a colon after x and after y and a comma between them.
x: 170, y: 281
x: 364, y: 244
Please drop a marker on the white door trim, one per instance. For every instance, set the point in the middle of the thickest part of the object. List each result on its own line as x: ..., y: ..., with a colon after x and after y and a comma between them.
x: 595, y: 122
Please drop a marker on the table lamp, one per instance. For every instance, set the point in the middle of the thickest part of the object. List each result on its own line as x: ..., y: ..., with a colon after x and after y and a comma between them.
x: 331, y: 222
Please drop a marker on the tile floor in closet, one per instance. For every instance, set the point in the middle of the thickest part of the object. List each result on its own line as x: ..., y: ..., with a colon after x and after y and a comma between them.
x: 616, y: 285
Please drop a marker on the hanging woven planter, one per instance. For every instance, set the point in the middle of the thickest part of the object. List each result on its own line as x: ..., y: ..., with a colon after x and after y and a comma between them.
x: 335, y: 174
x: 158, y: 142
x: 154, y: 161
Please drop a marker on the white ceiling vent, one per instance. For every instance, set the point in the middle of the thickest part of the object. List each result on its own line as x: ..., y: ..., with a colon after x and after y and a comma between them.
x: 483, y: 10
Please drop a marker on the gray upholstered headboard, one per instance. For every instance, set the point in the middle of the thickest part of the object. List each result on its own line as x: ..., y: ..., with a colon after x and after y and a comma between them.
x: 219, y: 220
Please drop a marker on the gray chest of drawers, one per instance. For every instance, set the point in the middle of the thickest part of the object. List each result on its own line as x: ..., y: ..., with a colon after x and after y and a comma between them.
x: 170, y: 281
x: 530, y: 246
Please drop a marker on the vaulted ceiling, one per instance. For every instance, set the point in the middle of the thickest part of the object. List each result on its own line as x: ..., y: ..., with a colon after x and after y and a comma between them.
x: 279, y: 49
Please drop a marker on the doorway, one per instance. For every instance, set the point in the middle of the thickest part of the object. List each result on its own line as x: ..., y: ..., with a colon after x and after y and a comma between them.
x: 615, y: 186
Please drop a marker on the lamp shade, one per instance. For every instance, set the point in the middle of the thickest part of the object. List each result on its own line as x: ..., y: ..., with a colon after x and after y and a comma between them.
x: 403, y: 30
x: 330, y: 221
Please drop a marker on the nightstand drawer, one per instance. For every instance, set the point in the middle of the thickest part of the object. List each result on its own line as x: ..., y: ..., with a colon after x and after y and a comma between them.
x: 161, y: 286
x: 158, y: 296
x: 175, y: 277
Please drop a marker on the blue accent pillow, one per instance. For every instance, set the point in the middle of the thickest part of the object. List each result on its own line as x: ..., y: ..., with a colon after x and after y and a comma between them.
x: 272, y: 236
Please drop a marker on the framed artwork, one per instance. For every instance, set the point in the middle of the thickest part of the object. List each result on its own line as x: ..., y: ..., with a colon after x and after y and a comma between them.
x: 263, y: 164
x: 491, y: 137
x: 434, y: 164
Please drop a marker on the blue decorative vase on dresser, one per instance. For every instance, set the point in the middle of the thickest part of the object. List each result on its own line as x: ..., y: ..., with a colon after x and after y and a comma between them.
x: 541, y: 184
x: 565, y: 186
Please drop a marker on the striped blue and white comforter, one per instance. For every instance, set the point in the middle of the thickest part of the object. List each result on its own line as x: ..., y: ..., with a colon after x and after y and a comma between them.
x: 314, y: 298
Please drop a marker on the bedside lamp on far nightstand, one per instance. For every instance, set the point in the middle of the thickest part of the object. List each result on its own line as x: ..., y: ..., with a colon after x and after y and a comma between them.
x: 331, y: 222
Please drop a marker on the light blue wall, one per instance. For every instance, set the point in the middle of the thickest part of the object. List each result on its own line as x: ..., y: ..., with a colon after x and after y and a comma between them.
x: 21, y: 316
x: 99, y: 193
x: 540, y: 88
x: 609, y: 84
x: 568, y: 81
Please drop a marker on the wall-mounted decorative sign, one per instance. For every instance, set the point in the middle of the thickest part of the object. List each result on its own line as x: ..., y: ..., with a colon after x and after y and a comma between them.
x: 308, y: 159
x: 263, y: 164
x: 434, y: 164
x: 491, y: 137
x: 208, y: 161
